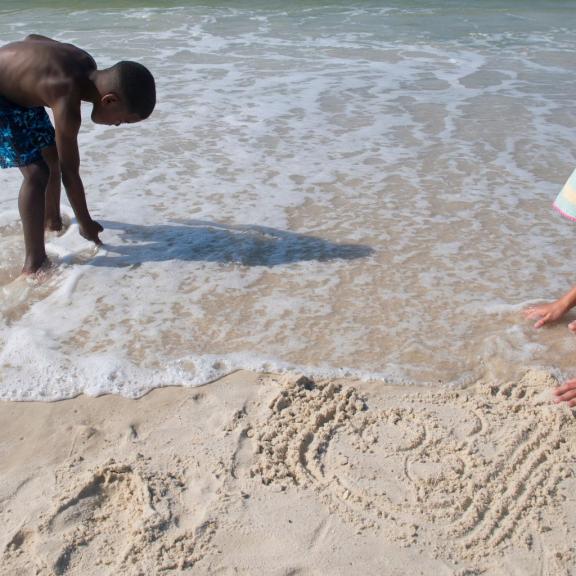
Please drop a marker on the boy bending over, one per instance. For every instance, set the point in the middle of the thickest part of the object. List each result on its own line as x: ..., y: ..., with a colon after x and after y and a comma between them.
x: 38, y: 72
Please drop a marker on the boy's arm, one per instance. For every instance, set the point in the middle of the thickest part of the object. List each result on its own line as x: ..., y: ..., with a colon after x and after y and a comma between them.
x: 67, y: 120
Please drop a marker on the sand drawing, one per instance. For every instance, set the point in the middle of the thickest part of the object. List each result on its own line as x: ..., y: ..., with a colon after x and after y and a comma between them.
x: 463, y: 473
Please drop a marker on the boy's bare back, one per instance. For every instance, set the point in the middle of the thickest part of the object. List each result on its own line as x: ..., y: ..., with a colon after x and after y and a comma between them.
x: 38, y: 71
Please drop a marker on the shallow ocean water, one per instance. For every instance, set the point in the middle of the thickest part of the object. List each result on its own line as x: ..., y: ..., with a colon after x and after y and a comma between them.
x: 339, y: 188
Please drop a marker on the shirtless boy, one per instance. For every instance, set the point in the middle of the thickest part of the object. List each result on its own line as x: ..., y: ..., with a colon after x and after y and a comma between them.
x: 39, y: 72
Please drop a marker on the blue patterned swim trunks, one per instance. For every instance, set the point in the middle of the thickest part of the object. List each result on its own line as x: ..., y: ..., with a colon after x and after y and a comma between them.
x: 23, y: 134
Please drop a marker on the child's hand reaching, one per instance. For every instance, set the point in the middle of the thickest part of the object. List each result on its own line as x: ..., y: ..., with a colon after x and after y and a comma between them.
x: 566, y: 393
x: 546, y: 313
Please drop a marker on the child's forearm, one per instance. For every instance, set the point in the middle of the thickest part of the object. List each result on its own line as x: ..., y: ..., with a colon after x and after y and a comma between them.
x: 77, y: 196
x: 568, y: 301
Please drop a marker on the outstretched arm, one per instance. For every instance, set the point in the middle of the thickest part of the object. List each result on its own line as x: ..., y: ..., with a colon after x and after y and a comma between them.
x: 67, y: 121
x: 552, y: 311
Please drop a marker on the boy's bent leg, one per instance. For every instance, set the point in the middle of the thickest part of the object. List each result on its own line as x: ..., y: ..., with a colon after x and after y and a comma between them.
x: 52, y: 217
x: 31, y: 205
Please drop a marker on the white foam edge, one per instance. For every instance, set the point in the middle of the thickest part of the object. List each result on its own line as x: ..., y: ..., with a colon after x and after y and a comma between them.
x: 98, y: 375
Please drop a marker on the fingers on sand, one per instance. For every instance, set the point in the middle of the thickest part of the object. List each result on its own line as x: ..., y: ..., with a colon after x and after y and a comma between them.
x: 566, y: 393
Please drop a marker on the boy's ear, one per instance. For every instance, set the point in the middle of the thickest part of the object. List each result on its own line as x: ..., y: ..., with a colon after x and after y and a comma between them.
x: 110, y: 98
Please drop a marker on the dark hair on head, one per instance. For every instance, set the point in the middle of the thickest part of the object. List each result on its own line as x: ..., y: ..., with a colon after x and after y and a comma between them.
x: 137, y: 87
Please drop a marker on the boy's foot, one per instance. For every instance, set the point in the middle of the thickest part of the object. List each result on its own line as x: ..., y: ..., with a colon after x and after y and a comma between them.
x: 572, y: 327
x: 53, y: 224
x: 31, y: 268
x: 566, y: 393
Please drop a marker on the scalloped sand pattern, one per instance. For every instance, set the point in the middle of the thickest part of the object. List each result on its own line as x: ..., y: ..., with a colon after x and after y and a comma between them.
x: 117, y: 520
x: 462, y: 475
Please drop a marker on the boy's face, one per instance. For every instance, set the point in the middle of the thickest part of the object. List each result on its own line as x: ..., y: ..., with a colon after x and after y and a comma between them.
x: 110, y: 110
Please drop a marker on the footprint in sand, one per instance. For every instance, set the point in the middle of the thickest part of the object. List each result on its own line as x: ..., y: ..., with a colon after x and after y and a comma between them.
x: 464, y: 468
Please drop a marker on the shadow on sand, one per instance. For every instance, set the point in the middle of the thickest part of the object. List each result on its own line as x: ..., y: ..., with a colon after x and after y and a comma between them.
x: 196, y: 240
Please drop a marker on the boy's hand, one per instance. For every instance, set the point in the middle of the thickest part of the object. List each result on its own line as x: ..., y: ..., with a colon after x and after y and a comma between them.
x: 90, y: 231
x: 546, y: 313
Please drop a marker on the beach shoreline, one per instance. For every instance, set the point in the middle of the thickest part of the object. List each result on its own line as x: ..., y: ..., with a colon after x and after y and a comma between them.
x: 276, y: 475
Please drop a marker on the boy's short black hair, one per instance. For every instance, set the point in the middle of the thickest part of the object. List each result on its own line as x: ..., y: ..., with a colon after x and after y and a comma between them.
x: 137, y: 87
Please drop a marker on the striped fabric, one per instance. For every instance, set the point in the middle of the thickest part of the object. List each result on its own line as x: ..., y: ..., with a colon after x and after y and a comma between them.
x: 565, y: 202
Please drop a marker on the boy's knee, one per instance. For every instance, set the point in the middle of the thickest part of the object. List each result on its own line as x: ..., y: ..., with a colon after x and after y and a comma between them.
x: 36, y: 174
x: 50, y: 156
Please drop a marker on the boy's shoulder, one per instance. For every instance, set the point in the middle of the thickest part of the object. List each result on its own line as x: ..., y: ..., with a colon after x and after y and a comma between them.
x: 42, y: 48
x: 39, y: 38
x: 39, y: 71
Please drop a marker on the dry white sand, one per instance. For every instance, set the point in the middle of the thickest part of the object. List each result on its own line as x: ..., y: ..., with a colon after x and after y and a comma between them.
x: 276, y: 475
